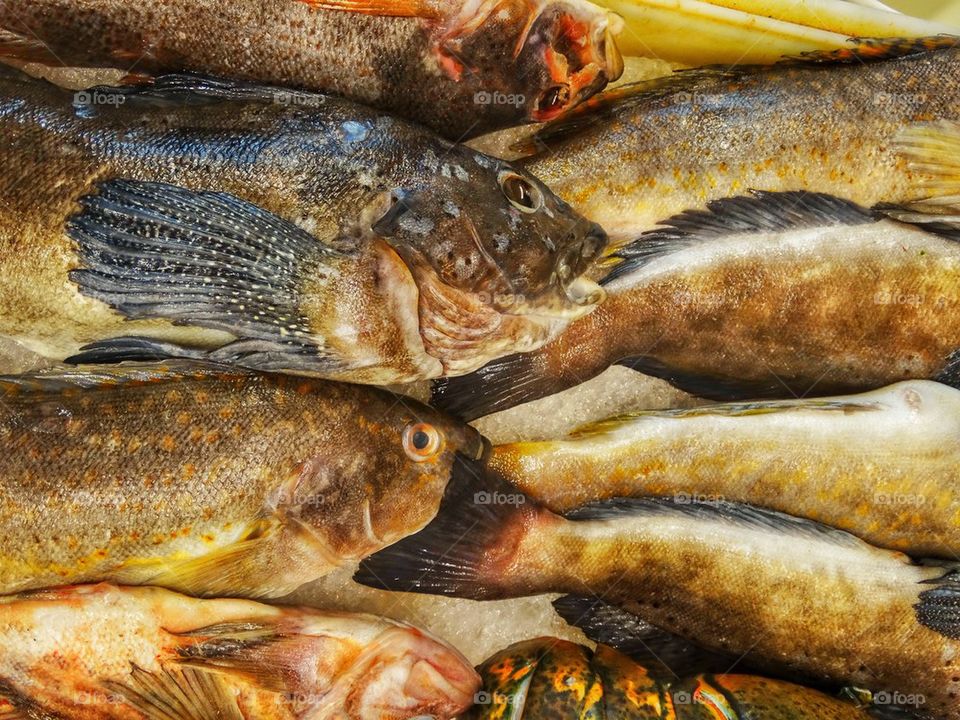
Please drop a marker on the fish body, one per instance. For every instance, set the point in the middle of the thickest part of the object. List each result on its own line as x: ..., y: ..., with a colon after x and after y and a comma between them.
x: 791, y: 595
x: 461, y: 68
x: 200, y: 217
x: 649, y: 151
x: 101, y: 652
x: 769, y: 295
x: 882, y: 465
x: 549, y: 677
x: 207, y: 481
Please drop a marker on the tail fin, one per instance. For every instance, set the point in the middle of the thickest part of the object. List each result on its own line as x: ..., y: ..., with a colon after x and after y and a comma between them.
x: 478, y: 519
x: 499, y: 385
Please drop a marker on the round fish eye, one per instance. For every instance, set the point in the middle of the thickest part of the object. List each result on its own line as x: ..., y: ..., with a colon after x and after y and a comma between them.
x: 421, y: 441
x: 522, y: 194
x: 554, y: 98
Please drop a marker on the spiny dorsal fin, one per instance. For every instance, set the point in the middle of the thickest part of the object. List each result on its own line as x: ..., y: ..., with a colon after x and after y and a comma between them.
x: 742, y: 515
x: 178, y: 694
x: 863, y: 50
x: 758, y: 212
x: 747, y: 409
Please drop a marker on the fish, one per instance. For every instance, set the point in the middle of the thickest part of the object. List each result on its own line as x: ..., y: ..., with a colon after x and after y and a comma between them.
x: 460, y: 68
x: 767, y: 295
x: 549, y: 677
x: 208, y: 480
x: 792, y: 595
x: 278, y: 230
x: 831, y: 122
x: 880, y: 465
x: 103, y: 652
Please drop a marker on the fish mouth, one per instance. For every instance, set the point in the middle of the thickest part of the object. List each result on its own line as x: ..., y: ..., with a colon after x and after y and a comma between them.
x: 581, y: 56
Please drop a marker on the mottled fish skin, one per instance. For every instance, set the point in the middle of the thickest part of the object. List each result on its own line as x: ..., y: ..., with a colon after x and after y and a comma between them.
x: 823, y: 308
x: 462, y: 68
x: 107, y: 653
x: 794, y: 597
x: 456, y: 273
x: 211, y: 483
x: 881, y: 465
x: 705, y: 135
x: 552, y: 678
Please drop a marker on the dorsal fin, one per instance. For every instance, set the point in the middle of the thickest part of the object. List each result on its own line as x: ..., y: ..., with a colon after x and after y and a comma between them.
x: 758, y: 212
x: 864, y: 50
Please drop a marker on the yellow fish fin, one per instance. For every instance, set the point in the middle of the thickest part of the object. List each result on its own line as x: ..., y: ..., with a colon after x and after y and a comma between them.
x: 178, y: 694
x: 933, y: 149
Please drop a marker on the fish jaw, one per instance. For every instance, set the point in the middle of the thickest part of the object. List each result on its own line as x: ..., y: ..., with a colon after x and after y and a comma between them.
x: 404, y: 672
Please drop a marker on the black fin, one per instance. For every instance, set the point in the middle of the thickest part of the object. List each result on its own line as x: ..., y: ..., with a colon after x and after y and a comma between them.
x: 746, y: 516
x: 665, y: 655
x: 950, y: 374
x: 758, y: 212
x: 939, y: 608
x: 174, y: 694
x: 499, y: 385
x: 16, y: 706
x: 132, y: 348
x: 727, y: 389
x: 864, y: 50
x: 209, y: 259
x: 446, y: 557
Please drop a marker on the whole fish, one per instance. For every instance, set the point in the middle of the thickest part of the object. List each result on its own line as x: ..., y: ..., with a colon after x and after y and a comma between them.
x: 210, y: 482
x: 210, y: 219
x: 648, y: 151
x: 793, y: 595
x: 767, y: 295
x: 882, y: 465
x: 100, y: 652
x: 462, y: 68
x: 552, y: 678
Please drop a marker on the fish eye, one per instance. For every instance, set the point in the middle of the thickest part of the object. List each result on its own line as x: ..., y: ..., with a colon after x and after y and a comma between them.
x: 521, y: 193
x: 554, y: 98
x: 421, y: 441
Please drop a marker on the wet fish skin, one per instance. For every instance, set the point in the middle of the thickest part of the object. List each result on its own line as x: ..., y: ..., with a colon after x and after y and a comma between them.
x: 752, y: 299
x: 880, y: 465
x: 653, y: 150
x: 102, y: 652
x: 461, y: 68
x: 208, y: 481
x: 454, y: 274
x: 796, y: 597
x: 533, y: 678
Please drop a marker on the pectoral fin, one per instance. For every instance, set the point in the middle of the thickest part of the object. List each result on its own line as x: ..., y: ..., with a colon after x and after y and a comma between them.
x: 206, y: 259
x: 933, y: 150
x: 15, y: 46
x: 178, y: 694
x: 385, y: 8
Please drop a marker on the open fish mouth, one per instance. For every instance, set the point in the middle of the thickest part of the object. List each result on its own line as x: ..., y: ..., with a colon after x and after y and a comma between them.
x: 577, y: 46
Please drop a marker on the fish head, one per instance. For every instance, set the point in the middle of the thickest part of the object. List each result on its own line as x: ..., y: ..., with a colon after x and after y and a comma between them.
x: 531, y: 61
x: 382, y: 477
x: 404, y: 673
x: 499, y: 261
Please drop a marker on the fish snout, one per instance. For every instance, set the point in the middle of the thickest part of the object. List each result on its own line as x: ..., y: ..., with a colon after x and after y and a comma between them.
x: 573, y: 266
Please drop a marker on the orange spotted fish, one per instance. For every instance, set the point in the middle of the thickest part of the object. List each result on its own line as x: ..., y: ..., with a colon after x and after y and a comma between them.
x: 101, y: 652
x: 210, y: 481
x: 551, y: 678
x: 460, y: 67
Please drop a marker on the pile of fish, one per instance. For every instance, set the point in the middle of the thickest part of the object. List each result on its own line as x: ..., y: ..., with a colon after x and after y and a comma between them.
x: 216, y: 267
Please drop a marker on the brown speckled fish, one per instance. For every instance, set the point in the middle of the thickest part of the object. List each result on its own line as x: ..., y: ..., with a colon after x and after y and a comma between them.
x: 552, y: 678
x: 778, y: 295
x: 881, y: 465
x: 276, y: 230
x: 646, y: 152
x: 207, y: 481
x: 462, y: 67
x: 100, y: 652
x: 793, y: 596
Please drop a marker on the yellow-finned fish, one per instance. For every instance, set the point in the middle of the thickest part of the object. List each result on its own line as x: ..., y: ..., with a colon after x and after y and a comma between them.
x: 460, y: 67
x: 882, y: 465
x: 791, y: 595
x: 277, y: 230
x: 210, y: 481
x: 552, y: 678
x: 101, y: 652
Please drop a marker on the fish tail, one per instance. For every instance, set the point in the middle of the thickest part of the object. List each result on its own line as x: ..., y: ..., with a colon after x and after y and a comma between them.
x: 477, y: 522
x: 499, y: 385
